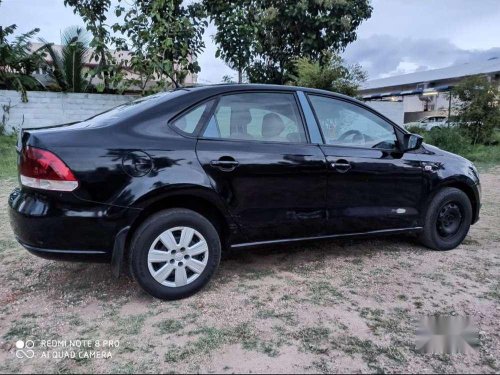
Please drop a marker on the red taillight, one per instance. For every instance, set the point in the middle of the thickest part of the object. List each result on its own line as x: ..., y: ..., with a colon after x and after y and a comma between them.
x: 42, y: 169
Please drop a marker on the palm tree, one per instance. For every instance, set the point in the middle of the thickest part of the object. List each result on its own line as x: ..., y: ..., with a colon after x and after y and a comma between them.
x: 68, y: 63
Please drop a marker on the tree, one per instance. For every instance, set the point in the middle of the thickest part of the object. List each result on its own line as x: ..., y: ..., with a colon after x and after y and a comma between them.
x: 17, y: 62
x: 227, y: 79
x: 163, y: 39
x: 68, y: 64
x: 236, y: 31
x: 334, y: 75
x: 477, y: 107
x: 285, y: 30
x: 94, y: 14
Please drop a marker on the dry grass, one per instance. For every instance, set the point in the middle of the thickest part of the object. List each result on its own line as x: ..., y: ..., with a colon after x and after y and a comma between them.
x: 318, y: 307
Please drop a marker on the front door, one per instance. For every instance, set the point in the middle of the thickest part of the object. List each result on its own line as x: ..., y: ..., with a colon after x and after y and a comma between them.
x: 371, y: 186
x: 255, y: 150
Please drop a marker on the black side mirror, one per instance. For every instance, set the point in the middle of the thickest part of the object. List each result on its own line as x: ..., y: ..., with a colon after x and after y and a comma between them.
x: 412, y: 142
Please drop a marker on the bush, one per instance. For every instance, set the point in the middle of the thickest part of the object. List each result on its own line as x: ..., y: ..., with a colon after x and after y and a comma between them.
x: 449, y: 139
x: 415, y: 129
x: 477, y: 107
x: 456, y: 140
x: 332, y: 75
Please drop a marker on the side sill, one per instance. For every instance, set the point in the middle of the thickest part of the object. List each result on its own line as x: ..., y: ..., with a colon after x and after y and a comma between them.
x: 287, y: 240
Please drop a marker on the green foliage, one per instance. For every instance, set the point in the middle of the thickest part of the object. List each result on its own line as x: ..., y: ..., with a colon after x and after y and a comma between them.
x: 68, y: 64
x: 17, y: 62
x: 94, y: 14
x: 333, y: 75
x: 228, y: 79
x: 478, y: 109
x: 274, y: 34
x: 449, y: 139
x: 235, y: 35
x: 8, y: 156
x: 456, y: 140
x: 163, y: 38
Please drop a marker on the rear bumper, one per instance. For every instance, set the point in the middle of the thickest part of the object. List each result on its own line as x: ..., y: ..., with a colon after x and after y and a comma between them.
x: 64, y: 227
x: 69, y: 255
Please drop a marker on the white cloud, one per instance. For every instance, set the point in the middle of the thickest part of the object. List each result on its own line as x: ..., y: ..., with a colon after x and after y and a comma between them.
x: 386, y: 55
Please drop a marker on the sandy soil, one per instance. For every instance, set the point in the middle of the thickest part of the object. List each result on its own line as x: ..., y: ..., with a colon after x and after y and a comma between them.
x: 342, y: 306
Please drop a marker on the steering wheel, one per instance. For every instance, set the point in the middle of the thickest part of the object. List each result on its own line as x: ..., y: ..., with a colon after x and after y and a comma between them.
x: 357, y: 136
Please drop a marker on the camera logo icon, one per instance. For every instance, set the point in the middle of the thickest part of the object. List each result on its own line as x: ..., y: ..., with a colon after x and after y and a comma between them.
x: 25, y: 349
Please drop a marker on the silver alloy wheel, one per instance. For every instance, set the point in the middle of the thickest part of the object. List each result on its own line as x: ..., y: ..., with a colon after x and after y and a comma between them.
x: 178, y: 256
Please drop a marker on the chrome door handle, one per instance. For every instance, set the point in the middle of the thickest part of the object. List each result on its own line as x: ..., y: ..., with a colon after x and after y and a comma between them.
x: 225, y: 165
x: 341, y: 166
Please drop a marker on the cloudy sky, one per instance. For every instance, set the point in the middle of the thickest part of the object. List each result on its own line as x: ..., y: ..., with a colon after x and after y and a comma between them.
x: 402, y: 36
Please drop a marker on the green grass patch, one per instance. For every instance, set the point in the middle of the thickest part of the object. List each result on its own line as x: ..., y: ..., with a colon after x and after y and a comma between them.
x: 287, y: 317
x: 368, y: 350
x: 168, y: 326
x: 314, y: 339
x: 210, y: 339
x: 453, y: 140
x: 8, y: 156
x: 381, y: 323
x: 130, y: 325
x: 323, y: 292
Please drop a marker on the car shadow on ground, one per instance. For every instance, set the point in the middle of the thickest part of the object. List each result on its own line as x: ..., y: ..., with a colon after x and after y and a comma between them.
x: 75, y: 283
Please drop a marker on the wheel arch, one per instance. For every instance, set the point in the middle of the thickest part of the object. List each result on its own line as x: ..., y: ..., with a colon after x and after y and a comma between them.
x: 467, y: 187
x: 201, y: 200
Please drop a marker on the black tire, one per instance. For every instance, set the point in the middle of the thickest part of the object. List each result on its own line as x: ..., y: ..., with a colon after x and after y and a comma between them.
x: 148, y: 232
x: 447, y: 220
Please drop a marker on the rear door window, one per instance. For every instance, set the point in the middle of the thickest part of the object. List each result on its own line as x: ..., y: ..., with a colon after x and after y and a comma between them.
x: 257, y: 116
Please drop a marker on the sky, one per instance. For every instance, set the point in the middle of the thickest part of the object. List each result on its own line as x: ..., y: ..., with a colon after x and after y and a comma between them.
x: 402, y: 36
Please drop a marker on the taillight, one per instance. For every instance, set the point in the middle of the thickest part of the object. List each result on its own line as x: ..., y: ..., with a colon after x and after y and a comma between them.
x: 41, y: 169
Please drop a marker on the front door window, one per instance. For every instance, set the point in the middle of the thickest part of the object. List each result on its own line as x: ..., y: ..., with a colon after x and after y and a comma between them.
x: 346, y: 124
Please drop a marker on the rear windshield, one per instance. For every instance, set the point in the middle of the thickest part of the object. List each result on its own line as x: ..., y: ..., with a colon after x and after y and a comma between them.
x: 129, y: 109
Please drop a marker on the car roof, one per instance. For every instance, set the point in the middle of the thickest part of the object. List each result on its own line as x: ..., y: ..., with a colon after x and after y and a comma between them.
x: 232, y: 87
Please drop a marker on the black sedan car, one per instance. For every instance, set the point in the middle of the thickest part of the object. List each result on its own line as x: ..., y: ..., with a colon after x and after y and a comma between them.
x: 166, y: 183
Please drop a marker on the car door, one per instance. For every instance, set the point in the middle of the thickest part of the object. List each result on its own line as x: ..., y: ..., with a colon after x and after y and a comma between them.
x: 255, y: 149
x: 371, y: 186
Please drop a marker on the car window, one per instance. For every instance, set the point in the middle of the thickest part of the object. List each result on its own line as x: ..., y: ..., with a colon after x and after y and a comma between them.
x: 128, y: 109
x: 257, y: 116
x: 188, y: 122
x: 346, y: 124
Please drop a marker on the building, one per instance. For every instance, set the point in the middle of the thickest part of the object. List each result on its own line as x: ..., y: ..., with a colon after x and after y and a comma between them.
x: 424, y: 93
x: 44, y: 77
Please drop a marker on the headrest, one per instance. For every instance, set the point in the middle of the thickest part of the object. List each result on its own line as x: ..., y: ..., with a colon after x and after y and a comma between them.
x: 240, y: 118
x: 272, y: 125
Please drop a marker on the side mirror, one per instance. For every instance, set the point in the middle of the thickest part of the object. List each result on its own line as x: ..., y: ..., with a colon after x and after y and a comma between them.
x: 412, y: 142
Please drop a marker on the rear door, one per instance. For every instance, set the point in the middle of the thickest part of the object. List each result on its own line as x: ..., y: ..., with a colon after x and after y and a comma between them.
x: 371, y: 186
x: 256, y: 151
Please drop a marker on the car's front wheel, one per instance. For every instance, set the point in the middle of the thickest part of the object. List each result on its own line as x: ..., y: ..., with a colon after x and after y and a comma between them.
x: 447, y: 220
x: 174, y: 253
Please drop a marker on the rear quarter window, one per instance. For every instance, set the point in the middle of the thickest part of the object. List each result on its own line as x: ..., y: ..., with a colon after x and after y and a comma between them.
x: 189, y: 122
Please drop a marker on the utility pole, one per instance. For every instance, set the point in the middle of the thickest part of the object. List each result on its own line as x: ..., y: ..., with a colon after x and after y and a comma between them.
x: 449, y: 106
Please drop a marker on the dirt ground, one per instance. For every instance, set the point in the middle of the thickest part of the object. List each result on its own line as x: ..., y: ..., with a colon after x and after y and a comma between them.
x: 341, y: 306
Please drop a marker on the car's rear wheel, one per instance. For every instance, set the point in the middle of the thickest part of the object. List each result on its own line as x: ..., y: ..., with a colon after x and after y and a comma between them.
x: 174, y: 253
x: 447, y: 220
